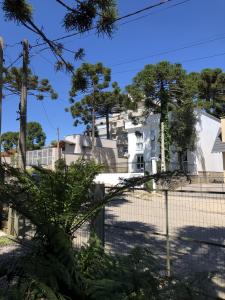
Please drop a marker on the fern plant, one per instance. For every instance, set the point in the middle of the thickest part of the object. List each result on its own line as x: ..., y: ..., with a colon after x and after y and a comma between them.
x: 57, y: 203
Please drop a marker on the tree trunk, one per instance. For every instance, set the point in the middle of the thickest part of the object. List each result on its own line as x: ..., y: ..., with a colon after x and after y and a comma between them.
x: 23, y: 109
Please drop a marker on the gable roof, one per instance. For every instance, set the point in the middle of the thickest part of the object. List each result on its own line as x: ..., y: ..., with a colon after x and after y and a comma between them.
x: 202, y: 112
x: 218, y: 146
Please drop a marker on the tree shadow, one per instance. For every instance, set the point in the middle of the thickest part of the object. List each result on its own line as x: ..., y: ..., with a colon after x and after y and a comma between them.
x: 196, y: 252
x: 202, y: 251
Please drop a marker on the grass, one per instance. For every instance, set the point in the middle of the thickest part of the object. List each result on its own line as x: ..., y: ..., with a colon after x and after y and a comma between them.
x: 5, y: 241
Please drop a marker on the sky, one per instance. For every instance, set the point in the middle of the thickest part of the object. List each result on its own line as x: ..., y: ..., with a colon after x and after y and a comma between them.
x: 169, y: 32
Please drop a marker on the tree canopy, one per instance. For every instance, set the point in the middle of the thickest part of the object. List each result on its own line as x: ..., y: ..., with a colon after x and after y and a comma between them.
x: 211, y: 91
x: 160, y: 87
x: 106, y: 103
x: 89, y: 80
x: 9, y: 140
x: 39, y: 88
x: 35, y: 137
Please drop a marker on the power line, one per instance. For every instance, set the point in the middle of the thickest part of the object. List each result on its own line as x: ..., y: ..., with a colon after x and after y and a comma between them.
x: 47, y: 117
x: 192, y: 44
x: 182, y: 61
x: 15, y: 61
x: 136, y: 19
x: 155, y: 12
x: 118, y: 19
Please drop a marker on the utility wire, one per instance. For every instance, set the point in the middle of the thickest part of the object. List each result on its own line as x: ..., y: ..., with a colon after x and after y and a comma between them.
x: 116, y: 20
x: 47, y: 116
x: 15, y: 61
x: 192, y: 44
x: 182, y: 61
x: 136, y: 19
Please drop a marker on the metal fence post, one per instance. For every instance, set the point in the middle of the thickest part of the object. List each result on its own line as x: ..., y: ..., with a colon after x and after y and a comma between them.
x: 168, y: 258
x: 98, y: 221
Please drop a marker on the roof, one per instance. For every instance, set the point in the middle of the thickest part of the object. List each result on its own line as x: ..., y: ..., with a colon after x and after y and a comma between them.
x: 218, y: 146
x: 202, y: 112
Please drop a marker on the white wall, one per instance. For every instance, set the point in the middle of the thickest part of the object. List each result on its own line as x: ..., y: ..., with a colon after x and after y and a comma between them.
x: 111, y: 179
x: 200, y: 160
x: 207, y: 129
x: 152, y: 123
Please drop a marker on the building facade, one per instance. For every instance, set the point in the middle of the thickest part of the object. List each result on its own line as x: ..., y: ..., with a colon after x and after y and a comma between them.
x: 144, y: 147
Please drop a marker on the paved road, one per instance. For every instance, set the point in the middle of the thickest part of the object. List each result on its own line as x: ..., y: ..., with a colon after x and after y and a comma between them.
x: 140, y: 219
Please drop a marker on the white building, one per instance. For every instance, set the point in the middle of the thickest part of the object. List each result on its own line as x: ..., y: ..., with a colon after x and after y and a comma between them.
x: 75, y: 147
x: 144, y: 147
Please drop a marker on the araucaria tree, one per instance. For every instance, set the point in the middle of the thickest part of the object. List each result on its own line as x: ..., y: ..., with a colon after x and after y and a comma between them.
x: 106, y: 103
x: 36, y: 87
x: 90, y: 80
x: 211, y: 91
x: 159, y: 87
x: 78, y: 17
x: 183, y: 130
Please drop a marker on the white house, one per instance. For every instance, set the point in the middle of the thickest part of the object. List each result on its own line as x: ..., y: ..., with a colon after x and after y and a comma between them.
x: 144, y: 147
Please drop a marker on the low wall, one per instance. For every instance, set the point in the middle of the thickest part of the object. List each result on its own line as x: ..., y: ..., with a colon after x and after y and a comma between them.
x: 114, y: 178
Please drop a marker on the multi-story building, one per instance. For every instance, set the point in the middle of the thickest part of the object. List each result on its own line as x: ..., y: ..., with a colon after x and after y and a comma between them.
x: 144, y: 147
x: 117, y: 129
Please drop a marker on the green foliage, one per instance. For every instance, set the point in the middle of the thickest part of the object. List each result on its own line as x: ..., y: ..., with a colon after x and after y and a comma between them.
x: 211, y: 87
x: 183, y: 129
x: 117, y: 277
x: 9, y: 140
x: 160, y: 88
x: 166, y: 87
x: 90, y: 80
x: 81, y: 16
x: 158, y: 85
x: 18, y: 11
x: 104, y: 104
x: 135, y: 276
x: 38, y: 88
x: 35, y: 137
x: 57, y: 203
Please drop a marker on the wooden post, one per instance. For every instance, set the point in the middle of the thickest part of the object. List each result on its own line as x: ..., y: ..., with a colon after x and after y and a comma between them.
x: 23, y: 108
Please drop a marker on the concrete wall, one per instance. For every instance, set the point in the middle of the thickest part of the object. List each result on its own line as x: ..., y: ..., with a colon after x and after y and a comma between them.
x: 111, y: 179
x: 105, y: 152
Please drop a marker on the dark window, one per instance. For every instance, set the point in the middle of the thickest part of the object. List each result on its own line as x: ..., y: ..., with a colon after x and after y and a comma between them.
x: 140, y: 163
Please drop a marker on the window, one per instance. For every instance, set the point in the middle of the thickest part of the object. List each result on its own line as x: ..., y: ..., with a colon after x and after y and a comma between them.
x: 139, y: 141
x: 140, y: 162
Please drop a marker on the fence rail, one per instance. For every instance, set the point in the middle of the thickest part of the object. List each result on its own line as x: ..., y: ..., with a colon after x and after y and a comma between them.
x: 185, y: 230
